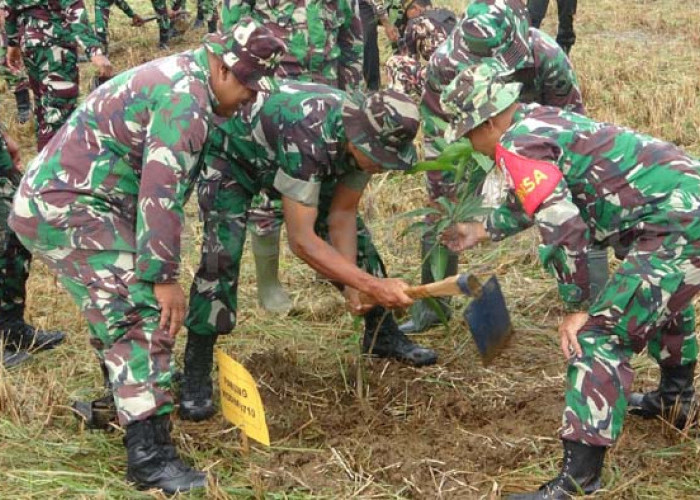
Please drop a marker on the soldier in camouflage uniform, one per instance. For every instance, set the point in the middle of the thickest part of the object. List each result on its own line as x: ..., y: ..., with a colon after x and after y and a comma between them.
x: 16, y: 336
x: 103, y: 206
x: 102, y: 11
x: 315, y: 146
x: 206, y: 11
x: 17, y: 81
x: 566, y: 9
x: 427, y: 29
x: 325, y: 46
x: 584, y: 183
x: 489, y: 29
x: 49, y: 32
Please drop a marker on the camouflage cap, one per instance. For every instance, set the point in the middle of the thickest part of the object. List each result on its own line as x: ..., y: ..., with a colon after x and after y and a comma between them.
x: 498, y: 29
x: 383, y: 125
x: 476, y: 94
x: 250, y: 51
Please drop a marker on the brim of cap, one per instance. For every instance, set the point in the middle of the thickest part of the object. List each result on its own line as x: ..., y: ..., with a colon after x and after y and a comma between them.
x: 356, y: 126
x: 458, y: 128
x: 518, y: 55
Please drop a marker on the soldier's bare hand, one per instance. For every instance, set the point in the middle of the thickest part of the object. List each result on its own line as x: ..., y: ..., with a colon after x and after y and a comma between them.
x: 104, y: 67
x: 354, y: 304
x: 391, y: 33
x: 568, y: 329
x: 13, y: 149
x: 137, y: 20
x: 390, y: 293
x: 463, y: 236
x: 14, y: 59
x: 173, y: 305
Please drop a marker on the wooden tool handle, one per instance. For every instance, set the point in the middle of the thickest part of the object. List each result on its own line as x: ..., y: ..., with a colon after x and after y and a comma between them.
x: 461, y: 284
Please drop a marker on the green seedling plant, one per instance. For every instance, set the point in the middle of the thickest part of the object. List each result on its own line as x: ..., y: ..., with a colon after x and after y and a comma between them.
x: 467, y: 168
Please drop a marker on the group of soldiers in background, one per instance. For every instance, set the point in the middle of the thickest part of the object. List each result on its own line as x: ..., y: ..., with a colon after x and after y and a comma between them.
x: 269, y: 121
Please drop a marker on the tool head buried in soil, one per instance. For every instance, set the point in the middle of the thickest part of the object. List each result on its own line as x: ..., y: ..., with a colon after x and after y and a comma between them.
x: 486, y: 315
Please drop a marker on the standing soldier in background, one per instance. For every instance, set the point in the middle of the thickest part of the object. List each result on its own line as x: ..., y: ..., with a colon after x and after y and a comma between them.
x: 325, y: 46
x: 207, y: 10
x: 17, y: 81
x: 489, y: 30
x: 566, y: 36
x: 315, y: 146
x: 49, y: 33
x: 103, y: 206
x: 373, y: 12
x: 16, y: 336
x: 102, y: 11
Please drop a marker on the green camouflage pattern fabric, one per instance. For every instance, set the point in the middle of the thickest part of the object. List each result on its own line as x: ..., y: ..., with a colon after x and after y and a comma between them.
x: 102, y: 12
x: 207, y: 8
x: 291, y: 143
x: 49, y: 33
x: 324, y: 38
x: 477, y: 94
x: 548, y: 80
x: 103, y: 206
x: 618, y: 189
x: 17, y: 81
x: 14, y: 258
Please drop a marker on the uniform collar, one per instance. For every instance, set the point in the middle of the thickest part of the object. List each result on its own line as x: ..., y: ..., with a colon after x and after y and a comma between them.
x: 201, y: 59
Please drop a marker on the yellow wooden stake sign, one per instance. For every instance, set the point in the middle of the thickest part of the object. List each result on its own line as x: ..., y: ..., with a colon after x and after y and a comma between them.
x: 240, y: 399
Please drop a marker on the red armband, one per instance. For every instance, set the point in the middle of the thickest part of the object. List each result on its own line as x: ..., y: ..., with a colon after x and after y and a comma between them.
x: 533, y: 180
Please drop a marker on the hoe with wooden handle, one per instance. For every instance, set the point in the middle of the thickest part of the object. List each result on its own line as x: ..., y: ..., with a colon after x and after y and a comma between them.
x: 486, y: 315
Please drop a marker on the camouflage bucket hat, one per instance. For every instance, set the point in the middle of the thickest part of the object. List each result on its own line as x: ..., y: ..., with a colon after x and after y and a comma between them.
x: 475, y: 95
x: 250, y: 51
x: 383, y: 126
x: 498, y: 29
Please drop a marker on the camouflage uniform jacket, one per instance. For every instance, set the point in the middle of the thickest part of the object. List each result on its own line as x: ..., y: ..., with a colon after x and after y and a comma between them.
x: 425, y: 33
x: 44, y: 23
x: 295, y: 142
x: 323, y: 37
x: 117, y: 175
x: 584, y: 182
x: 552, y: 81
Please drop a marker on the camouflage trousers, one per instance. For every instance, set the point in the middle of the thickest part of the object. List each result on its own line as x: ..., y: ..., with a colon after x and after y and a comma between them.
x: 14, y: 258
x: 103, y: 10
x: 647, y: 302
x: 16, y: 81
x: 123, y: 316
x: 207, y: 9
x: 265, y: 214
x: 225, y: 209
x: 160, y: 7
x: 53, y: 77
x: 405, y: 74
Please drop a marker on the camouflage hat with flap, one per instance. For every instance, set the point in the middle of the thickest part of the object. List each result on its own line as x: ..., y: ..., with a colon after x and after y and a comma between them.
x: 250, y: 51
x: 476, y: 94
x: 383, y: 125
x: 498, y: 29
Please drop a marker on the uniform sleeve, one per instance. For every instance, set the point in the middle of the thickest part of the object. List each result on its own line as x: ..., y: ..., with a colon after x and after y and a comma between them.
x: 233, y: 10
x: 351, y: 46
x: 80, y: 27
x: 507, y: 219
x: 174, y: 140
x: 125, y: 7
x: 559, y: 85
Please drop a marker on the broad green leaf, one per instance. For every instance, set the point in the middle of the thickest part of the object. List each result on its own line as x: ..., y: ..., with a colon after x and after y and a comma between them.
x: 438, y: 261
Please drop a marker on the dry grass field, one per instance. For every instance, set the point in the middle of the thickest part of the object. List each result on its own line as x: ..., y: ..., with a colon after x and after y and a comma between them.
x: 345, y: 426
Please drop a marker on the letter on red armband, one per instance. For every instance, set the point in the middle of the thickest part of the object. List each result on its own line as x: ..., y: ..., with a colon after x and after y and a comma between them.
x: 534, y: 180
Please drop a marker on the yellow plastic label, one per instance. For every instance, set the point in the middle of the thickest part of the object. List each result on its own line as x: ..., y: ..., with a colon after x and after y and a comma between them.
x: 240, y: 399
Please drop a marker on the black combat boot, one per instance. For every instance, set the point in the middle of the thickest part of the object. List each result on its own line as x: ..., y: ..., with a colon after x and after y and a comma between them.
x: 11, y: 359
x: 580, y: 474
x: 163, y: 39
x: 18, y: 335
x: 384, y: 340
x: 24, y: 105
x: 212, y: 26
x: 423, y: 316
x: 152, y: 460
x: 199, y: 20
x: 196, y: 387
x: 674, y: 400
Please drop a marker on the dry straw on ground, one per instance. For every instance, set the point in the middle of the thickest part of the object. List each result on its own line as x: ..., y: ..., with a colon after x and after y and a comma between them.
x: 345, y: 426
